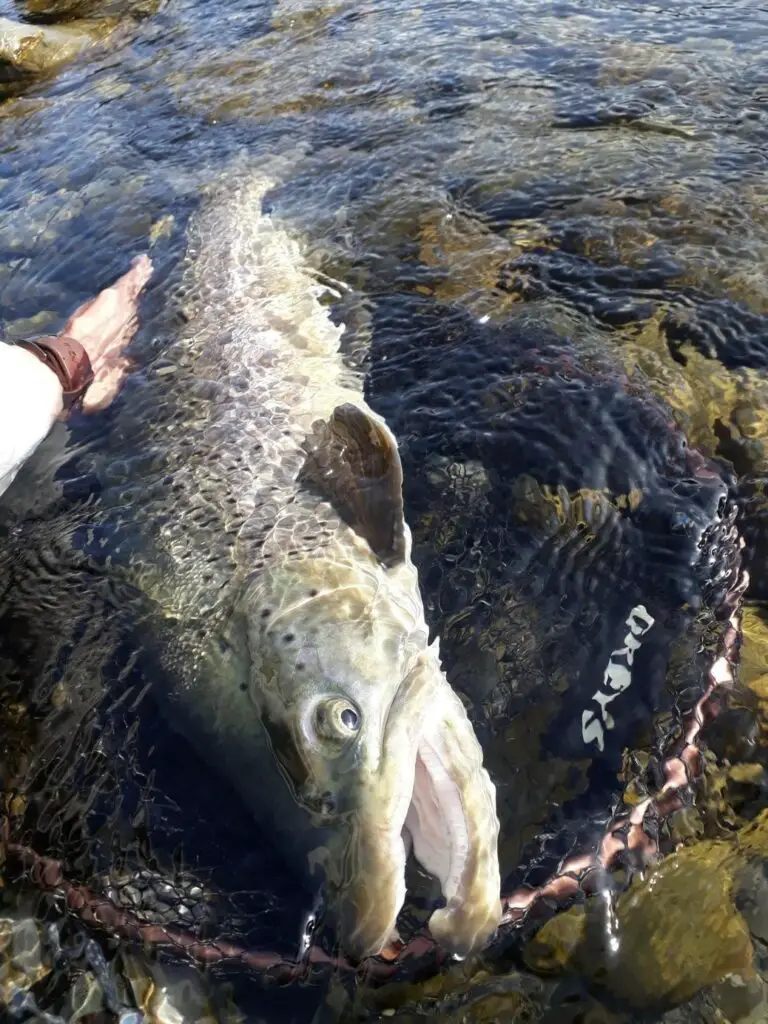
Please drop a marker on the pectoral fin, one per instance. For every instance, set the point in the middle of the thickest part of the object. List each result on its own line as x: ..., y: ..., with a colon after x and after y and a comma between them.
x: 354, y: 462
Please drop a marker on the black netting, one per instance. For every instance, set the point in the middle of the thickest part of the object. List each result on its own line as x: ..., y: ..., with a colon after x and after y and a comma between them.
x: 550, y: 499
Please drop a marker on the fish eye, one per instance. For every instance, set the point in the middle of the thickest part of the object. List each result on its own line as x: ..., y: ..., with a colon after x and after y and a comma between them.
x: 350, y: 719
x: 337, y: 719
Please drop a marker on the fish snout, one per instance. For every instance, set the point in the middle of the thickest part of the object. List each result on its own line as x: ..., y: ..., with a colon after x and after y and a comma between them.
x: 411, y: 706
x: 370, y: 870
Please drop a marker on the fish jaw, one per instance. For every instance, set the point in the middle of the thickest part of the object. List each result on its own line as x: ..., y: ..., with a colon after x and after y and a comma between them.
x: 431, y: 785
x: 454, y: 827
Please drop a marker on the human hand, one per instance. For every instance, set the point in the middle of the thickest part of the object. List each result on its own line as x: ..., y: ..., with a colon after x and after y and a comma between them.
x: 104, y: 327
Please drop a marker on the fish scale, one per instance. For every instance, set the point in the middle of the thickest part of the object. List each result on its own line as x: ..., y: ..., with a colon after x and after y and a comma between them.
x: 226, y: 425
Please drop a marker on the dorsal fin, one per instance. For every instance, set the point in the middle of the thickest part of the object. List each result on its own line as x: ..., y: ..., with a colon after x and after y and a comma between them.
x: 354, y: 462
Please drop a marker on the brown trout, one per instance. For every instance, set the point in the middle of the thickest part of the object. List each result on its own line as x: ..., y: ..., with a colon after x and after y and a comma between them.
x: 261, y: 512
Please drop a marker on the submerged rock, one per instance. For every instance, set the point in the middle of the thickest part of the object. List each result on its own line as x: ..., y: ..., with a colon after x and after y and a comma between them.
x: 50, y: 11
x: 35, y: 958
x: 673, y: 934
x: 470, y: 993
x: 31, y: 50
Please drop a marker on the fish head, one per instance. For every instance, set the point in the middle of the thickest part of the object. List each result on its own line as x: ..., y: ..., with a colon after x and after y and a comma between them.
x: 368, y: 733
x: 326, y: 673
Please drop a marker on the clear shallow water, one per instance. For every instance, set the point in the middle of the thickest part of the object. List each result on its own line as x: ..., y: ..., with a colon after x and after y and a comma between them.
x: 500, y: 158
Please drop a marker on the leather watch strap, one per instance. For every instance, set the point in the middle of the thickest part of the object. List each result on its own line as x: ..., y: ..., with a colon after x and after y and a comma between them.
x: 68, y: 360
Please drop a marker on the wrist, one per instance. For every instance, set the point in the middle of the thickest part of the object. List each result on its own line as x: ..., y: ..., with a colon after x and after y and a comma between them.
x: 67, y: 360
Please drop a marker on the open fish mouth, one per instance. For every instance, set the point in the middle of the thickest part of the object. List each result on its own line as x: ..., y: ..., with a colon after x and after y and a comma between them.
x: 454, y: 829
x: 431, y: 787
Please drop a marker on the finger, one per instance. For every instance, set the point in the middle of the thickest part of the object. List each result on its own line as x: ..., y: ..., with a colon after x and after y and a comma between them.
x: 106, y: 323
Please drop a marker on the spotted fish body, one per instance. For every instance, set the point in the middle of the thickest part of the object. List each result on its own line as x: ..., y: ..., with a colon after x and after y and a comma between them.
x: 259, y: 509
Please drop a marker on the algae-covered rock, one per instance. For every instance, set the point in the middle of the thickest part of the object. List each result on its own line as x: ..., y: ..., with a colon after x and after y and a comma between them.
x: 681, y: 931
x: 558, y: 942
x: 673, y: 934
x: 721, y: 411
x: 470, y: 257
x: 39, y: 49
x: 752, y: 898
x: 49, y: 11
x: 468, y: 993
x: 741, y: 1000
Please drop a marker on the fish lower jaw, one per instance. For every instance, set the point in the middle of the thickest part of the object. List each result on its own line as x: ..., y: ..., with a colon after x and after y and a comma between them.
x: 453, y: 829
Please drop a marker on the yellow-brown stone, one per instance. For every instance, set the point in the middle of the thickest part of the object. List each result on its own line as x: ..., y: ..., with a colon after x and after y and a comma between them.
x: 677, y: 932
